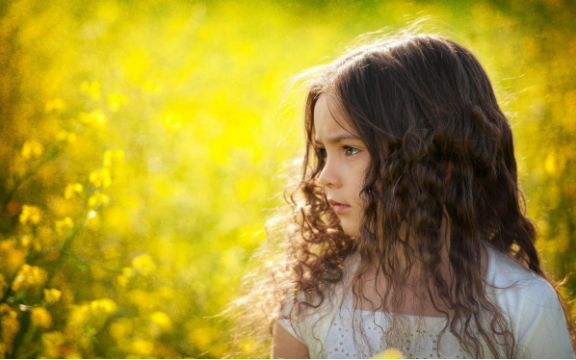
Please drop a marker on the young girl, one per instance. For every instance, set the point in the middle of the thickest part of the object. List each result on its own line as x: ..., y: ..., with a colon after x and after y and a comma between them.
x: 410, y: 232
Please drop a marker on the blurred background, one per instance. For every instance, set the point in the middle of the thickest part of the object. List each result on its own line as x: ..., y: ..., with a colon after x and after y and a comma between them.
x: 143, y: 145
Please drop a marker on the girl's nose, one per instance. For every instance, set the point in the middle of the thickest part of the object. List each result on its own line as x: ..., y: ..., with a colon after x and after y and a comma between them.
x: 329, y: 175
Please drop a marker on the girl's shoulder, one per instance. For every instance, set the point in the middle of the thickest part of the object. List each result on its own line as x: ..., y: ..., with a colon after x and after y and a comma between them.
x: 532, y: 306
x: 508, y: 275
x: 312, y: 323
x: 522, y: 294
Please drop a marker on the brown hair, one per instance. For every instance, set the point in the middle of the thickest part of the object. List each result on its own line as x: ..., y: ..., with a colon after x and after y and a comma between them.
x: 441, y: 152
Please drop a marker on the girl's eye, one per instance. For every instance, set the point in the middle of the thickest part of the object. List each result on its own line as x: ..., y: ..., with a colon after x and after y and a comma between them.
x: 349, y: 150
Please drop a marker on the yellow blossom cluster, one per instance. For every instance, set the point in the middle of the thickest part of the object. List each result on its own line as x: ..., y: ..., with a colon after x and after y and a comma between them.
x: 66, y: 136
x: 94, y: 310
x: 116, y: 101
x: 73, y: 190
x: 96, y: 118
x: 85, y: 320
x: 32, y: 150
x: 101, y: 178
x: 102, y: 307
x: 28, y: 277
x: 41, y: 318
x: 52, y: 296
x: 52, y: 344
x: 141, y: 265
x: 390, y: 353
x: 55, y: 105
x: 11, y: 256
x: 92, y: 89
x: 98, y: 199
x: 144, y: 264
x: 30, y: 215
x: 9, y: 325
x: 64, y: 225
x: 110, y: 156
x: 162, y: 320
x: 32, y: 242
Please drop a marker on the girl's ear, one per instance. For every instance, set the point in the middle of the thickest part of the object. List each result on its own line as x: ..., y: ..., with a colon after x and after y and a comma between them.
x: 448, y: 174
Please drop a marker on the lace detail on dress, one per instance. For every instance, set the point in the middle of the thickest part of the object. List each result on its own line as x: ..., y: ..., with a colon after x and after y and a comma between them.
x: 418, y: 343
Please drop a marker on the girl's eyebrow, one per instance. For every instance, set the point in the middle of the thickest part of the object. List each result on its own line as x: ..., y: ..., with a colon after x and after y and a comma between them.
x: 337, y: 139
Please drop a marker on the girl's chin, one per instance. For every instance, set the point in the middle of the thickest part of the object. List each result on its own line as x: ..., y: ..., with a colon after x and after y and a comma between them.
x: 351, y: 231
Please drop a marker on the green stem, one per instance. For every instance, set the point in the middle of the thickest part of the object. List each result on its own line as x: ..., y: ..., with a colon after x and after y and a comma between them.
x: 63, y: 251
x: 27, y: 337
x: 21, y: 332
x: 28, y: 174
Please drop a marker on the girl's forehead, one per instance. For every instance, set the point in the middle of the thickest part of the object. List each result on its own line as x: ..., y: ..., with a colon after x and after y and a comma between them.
x: 328, y: 115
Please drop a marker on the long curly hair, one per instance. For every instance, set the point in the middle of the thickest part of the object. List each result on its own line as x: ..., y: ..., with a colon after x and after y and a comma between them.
x: 442, y: 167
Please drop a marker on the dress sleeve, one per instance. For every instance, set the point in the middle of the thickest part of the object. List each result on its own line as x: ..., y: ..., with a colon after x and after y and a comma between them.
x: 288, y: 326
x: 292, y: 326
x: 542, y: 329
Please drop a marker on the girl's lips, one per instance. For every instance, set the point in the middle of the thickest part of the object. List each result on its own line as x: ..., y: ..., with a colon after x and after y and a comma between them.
x: 340, y: 208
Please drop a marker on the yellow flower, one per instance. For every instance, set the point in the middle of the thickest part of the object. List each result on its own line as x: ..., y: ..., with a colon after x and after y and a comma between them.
x: 11, y: 255
x: 550, y: 163
x: 55, y: 105
x: 115, y: 101
x: 390, y: 353
x: 96, y: 118
x: 64, y: 225
x: 26, y: 240
x: 161, y: 320
x: 66, y: 136
x: 143, y: 348
x: 103, y: 307
x: 78, y: 315
x: 52, y: 296
x: 91, y: 89
x: 30, y: 215
x: 121, y: 328
x: 109, y: 156
x: 9, y: 325
x: 32, y: 149
x: 98, y: 199
x: 144, y: 264
x: 51, y: 343
x: 29, y: 276
x: 73, y: 190
x: 203, y: 337
x: 41, y: 318
x: 100, y: 178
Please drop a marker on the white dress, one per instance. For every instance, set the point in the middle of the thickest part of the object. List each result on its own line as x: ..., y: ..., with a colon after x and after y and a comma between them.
x: 529, y: 302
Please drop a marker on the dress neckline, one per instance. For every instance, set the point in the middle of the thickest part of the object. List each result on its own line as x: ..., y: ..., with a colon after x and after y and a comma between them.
x: 348, y: 303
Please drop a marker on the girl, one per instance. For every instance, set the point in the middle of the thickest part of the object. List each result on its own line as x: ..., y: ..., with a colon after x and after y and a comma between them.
x: 410, y: 232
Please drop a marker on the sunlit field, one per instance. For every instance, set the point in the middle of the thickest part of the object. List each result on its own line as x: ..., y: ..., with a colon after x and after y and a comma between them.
x: 144, y: 146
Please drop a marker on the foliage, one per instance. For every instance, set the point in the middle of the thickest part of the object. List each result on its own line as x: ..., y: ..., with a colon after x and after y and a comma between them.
x: 142, y: 142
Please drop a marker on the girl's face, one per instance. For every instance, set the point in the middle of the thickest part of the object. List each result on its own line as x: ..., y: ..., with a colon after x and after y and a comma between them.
x: 346, y: 160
